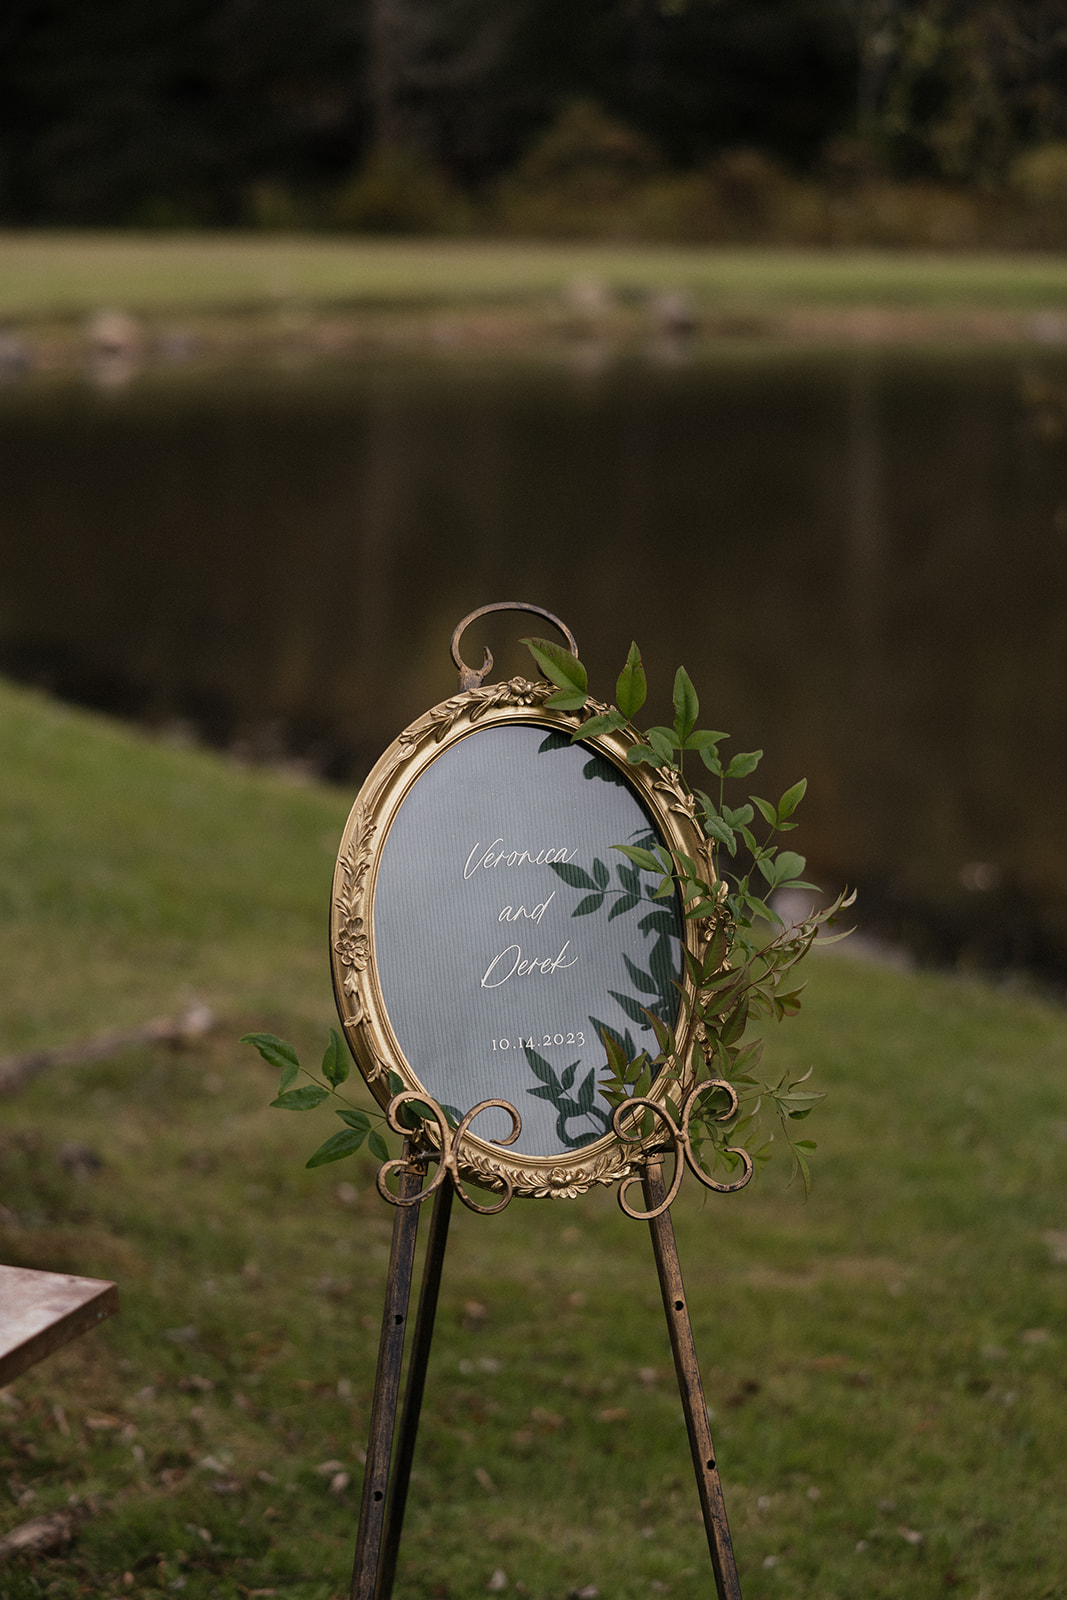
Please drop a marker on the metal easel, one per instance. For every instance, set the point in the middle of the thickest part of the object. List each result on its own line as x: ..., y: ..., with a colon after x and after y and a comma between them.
x: 391, y: 1445
x: 386, y: 1480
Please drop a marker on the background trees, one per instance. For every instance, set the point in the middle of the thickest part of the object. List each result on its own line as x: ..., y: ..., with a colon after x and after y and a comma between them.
x: 281, y: 112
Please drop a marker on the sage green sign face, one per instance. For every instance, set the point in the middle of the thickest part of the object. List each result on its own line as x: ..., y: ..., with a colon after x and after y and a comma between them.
x: 509, y: 934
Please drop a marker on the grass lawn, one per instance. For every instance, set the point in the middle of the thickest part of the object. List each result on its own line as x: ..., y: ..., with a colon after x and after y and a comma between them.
x: 62, y: 275
x: 885, y: 1364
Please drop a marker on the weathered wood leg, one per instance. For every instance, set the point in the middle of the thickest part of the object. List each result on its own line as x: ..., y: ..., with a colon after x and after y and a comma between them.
x: 387, y: 1384
x: 416, y: 1383
x: 727, y: 1586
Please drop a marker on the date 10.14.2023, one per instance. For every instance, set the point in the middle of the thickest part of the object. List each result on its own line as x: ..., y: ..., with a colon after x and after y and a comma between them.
x: 540, y: 1041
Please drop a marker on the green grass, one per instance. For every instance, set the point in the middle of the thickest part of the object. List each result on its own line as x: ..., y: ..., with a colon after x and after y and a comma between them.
x: 64, y: 275
x: 888, y: 1357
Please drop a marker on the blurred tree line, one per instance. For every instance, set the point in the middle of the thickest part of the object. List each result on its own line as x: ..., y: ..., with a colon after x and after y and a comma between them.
x: 541, y: 115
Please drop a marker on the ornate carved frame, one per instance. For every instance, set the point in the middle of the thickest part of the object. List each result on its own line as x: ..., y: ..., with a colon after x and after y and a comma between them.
x: 613, y: 1157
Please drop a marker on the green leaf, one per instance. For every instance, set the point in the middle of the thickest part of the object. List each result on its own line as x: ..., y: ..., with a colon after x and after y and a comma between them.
x: 662, y: 743
x: 606, y: 723
x: 791, y: 799
x: 275, y: 1051
x: 600, y: 873
x: 639, y: 753
x: 356, y: 1119
x: 768, y: 812
x: 716, y: 829
x: 336, y: 1147
x: 643, y: 858
x: 289, y: 1076
x: 703, y: 908
x: 686, y: 705
x: 631, y: 691
x: 716, y: 951
x: 743, y: 763
x: 734, y: 1026
x: 710, y: 758
x: 414, y: 1112
x: 790, y: 864
x: 615, y: 1053
x: 591, y: 903
x: 690, y: 868
x: 770, y: 868
x: 704, y: 739
x: 753, y: 843
x: 761, y: 908
x: 566, y: 700
x: 719, y: 980
x: 560, y: 666
x: 802, y: 1101
x: 335, y: 1061
x: 304, y: 1099
x: 800, y: 1164
x: 378, y: 1147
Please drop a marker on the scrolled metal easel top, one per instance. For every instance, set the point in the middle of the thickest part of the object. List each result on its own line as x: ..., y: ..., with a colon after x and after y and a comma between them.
x: 474, y: 677
x: 666, y: 1137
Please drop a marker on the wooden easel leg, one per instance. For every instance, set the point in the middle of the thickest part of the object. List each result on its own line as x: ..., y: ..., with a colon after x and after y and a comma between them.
x: 709, y: 1488
x: 416, y: 1383
x: 387, y: 1384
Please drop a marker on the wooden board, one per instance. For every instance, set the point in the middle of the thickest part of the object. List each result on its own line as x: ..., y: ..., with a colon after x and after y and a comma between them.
x: 39, y: 1311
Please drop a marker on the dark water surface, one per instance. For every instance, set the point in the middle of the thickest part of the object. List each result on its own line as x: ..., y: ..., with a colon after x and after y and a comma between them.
x: 860, y: 558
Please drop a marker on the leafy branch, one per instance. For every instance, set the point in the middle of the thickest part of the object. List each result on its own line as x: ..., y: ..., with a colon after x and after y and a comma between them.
x: 743, y: 976
x: 359, y: 1125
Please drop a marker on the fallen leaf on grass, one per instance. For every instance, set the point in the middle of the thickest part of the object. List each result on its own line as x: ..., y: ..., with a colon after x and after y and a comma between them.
x: 36, y: 1536
x: 485, y: 1480
x: 910, y: 1535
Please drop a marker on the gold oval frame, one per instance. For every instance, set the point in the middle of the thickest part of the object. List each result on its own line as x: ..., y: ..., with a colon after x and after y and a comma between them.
x: 360, y: 1003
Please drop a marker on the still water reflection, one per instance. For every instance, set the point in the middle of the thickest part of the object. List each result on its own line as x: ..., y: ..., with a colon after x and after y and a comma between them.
x: 861, y: 559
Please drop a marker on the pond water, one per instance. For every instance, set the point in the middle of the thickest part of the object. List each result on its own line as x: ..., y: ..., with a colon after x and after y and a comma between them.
x: 861, y: 558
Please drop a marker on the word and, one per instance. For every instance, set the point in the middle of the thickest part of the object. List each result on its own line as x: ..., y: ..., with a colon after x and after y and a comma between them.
x: 547, y: 1040
x: 513, y: 858
x: 511, y: 961
x: 514, y: 913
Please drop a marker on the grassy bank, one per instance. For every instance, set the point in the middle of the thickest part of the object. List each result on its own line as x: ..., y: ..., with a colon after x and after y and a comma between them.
x: 70, y: 274
x: 885, y: 1364
x: 49, y: 283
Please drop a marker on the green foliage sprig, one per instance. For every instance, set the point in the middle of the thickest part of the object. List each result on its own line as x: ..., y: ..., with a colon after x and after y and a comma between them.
x: 358, y: 1124
x: 744, y: 974
x: 747, y: 971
